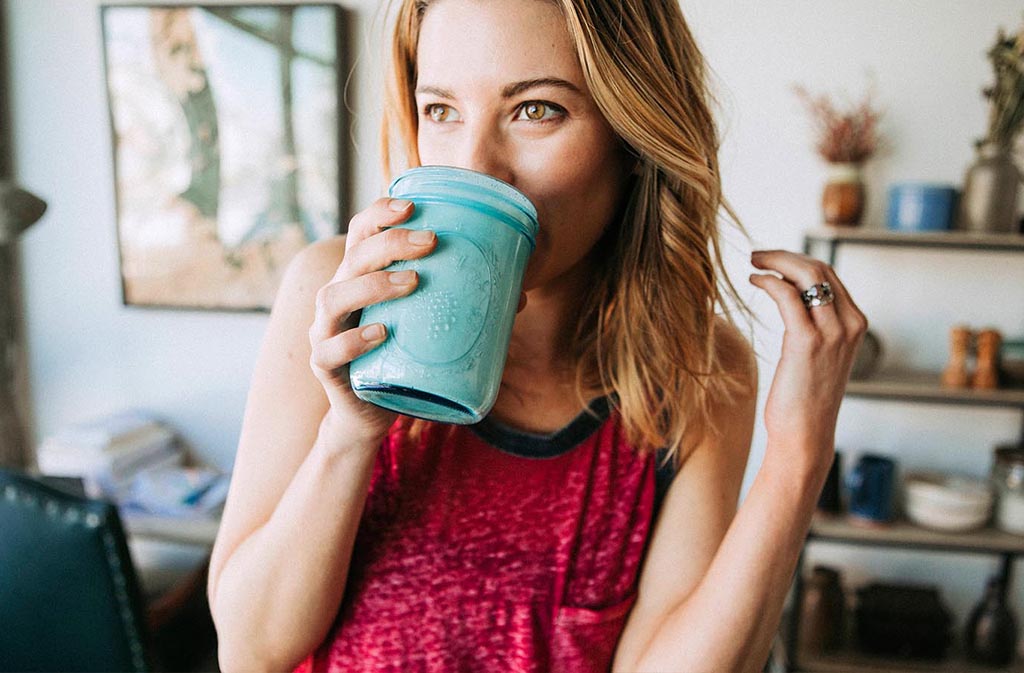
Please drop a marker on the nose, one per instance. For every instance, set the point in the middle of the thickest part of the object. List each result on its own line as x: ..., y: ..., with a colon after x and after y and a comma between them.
x: 486, y: 150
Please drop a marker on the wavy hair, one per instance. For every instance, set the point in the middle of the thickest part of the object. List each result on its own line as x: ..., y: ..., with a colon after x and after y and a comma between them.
x: 646, y: 333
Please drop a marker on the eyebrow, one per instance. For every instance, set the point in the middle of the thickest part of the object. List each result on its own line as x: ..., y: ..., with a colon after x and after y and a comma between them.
x: 509, y: 90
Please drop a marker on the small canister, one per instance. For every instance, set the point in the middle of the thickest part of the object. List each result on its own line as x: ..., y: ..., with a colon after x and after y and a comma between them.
x: 917, y: 206
x: 872, y: 490
x: 1008, y: 477
x: 447, y: 340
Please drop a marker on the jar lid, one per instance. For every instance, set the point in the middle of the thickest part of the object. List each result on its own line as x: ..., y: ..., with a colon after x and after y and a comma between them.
x: 477, y: 190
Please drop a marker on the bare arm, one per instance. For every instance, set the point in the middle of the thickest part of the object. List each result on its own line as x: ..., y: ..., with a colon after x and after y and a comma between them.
x: 730, y: 619
x: 306, y: 453
x: 274, y: 599
x: 713, y: 586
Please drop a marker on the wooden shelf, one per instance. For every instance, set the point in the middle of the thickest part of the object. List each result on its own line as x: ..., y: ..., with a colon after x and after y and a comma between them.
x: 908, y: 535
x: 853, y: 662
x: 914, y: 386
x: 958, y: 240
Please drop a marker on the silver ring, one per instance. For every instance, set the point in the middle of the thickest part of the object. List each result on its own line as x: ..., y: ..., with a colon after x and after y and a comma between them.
x: 819, y: 294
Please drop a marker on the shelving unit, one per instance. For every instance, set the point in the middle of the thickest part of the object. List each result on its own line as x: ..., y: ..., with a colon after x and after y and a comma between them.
x: 906, y: 387
x: 832, y: 237
x: 916, y: 386
x: 908, y: 535
x: 851, y: 662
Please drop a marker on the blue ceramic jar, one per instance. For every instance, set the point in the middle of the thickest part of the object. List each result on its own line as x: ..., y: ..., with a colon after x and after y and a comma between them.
x: 872, y: 488
x: 447, y: 340
x: 915, y: 206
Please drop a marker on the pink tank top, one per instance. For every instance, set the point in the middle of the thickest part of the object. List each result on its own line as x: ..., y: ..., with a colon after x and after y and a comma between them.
x: 485, y: 549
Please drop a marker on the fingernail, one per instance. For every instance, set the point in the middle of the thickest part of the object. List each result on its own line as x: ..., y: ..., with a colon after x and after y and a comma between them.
x: 421, y: 237
x: 402, y: 277
x: 398, y: 205
x: 374, y: 332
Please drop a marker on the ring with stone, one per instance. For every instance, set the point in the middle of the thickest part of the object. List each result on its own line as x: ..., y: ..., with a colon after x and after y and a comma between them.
x: 819, y: 294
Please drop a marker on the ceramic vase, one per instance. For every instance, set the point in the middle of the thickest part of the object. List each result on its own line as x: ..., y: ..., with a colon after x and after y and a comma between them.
x: 991, y: 185
x: 842, y: 202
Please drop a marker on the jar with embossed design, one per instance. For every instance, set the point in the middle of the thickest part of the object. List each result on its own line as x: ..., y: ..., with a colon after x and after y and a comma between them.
x: 448, y: 340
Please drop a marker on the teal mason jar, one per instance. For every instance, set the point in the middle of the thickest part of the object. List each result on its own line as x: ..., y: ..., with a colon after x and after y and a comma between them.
x: 447, y: 340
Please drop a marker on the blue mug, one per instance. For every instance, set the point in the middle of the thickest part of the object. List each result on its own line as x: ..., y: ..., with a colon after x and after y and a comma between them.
x: 872, y: 488
x: 917, y: 206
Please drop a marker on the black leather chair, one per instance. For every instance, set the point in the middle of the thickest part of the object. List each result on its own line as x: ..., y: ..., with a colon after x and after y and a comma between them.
x: 69, y: 597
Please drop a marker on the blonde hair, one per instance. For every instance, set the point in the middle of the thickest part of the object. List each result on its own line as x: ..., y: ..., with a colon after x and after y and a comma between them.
x: 646, y: 333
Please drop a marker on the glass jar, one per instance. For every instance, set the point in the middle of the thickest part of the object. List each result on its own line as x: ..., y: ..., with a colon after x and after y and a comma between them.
x: 447, y: 340
x: 1008, y: 478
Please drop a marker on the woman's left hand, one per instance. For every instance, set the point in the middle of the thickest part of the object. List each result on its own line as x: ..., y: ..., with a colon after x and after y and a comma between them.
x: 818, y: 350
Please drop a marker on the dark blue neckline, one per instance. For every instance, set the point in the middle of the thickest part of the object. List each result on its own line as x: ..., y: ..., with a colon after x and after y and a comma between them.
x: 531, y: 445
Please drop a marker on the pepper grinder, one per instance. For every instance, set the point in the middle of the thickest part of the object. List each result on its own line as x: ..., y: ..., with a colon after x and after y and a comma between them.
x: 955, y: 374
x: 986, y: 376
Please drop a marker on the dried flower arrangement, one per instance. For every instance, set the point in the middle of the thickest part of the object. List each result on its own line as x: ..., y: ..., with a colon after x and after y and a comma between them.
x: 847, y: 134
x: 1006, y: 96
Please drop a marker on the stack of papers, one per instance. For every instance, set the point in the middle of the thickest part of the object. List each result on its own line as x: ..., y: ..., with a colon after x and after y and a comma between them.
x: 108, y: 453
x: 178, y: 492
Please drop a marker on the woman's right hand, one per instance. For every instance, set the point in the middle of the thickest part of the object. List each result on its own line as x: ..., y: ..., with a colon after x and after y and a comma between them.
x: 360, y: 281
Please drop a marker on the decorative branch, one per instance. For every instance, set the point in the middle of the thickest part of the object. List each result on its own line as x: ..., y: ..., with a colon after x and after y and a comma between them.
x: 1006, y: 95
x: 846, y: 134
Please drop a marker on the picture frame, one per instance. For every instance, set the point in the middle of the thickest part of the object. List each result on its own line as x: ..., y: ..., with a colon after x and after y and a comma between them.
x: 226, y: 125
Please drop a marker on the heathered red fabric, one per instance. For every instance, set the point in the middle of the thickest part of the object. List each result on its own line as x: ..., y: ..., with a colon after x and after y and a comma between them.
x: 470, y: 558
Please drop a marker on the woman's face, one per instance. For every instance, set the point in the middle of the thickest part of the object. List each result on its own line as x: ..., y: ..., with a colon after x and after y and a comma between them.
x: 500, y: 90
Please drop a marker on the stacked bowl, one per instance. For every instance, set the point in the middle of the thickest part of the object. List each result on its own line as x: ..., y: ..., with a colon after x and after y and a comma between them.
x: 946, y: 502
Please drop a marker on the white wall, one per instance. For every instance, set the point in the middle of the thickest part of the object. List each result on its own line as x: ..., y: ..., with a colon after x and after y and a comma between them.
x: 88, y: 354
x: 927, y: 58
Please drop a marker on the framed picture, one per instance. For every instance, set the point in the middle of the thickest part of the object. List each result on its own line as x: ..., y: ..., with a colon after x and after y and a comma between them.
x: 227, y: 156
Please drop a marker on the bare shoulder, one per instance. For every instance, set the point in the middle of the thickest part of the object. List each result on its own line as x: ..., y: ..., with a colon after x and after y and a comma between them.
x: 327, y: 252
x: 282, y: 366
x: 731, y: 407
x: 736, y: 355
x: 311, y: 268
x: 294, y: 309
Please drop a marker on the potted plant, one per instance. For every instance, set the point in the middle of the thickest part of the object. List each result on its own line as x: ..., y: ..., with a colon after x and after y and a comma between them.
x: 845, y: 137
x: 989, y: 201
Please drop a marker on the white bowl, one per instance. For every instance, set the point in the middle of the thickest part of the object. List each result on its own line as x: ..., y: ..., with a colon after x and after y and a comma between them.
x: 947, y: 502
x: 949, y: 490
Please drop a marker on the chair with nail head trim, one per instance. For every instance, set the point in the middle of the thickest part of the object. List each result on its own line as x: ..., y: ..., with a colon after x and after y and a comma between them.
x: 69, y: 597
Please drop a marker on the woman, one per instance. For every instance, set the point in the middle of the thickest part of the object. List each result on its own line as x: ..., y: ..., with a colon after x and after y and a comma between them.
x: 551, y: 536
